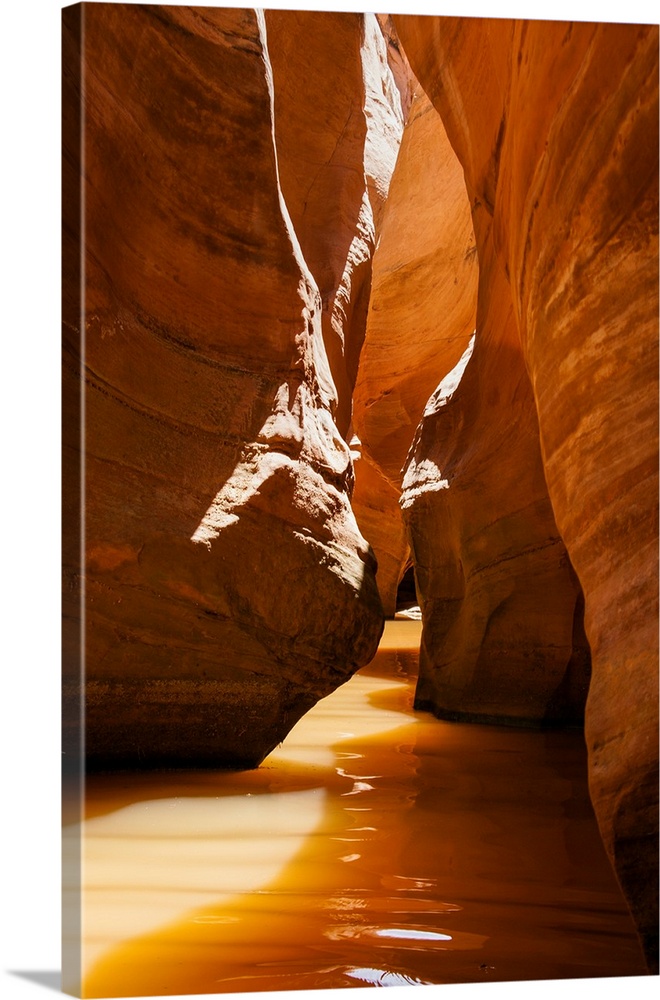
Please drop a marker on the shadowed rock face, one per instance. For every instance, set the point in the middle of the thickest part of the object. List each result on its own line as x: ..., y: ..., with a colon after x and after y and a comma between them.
x: 558, y: 137
x: 498, y: 594
x: 376, y: 504
x: 221, y: 548
x: 498, y: 591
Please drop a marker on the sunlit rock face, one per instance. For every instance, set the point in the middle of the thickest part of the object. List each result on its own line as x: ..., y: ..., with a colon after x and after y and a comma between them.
x: 338, y: 120
x: 421, y: 316
x: 221, y: 549
x: 423, y: 300
x: 404, y: 78
x: 338, y: 125
x: 558, y: 137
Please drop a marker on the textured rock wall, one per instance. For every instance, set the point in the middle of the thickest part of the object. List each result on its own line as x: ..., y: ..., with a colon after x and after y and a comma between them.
x: 404, y: 78
x: 221, y: 549
x: 558, y: 137
x: 337, y: 146
x: 338, y: 127
x: 421, y: 316
x: 500, y: 640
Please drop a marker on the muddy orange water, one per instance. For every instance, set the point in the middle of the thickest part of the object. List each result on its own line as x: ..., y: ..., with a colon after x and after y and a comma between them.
x: 377, y: 846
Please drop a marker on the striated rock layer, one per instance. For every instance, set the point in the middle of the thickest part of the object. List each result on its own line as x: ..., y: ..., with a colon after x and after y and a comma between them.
x: 221, y: 551
x: 503, y: 637
x: 558, y: 137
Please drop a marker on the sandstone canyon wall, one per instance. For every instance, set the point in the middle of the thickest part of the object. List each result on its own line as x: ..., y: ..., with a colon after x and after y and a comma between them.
x: 226, y: 585
x: 338, y: 126
x: 264, y: 309
x: 502, y: 636
x: 558, y: 137
x: 421, y: 316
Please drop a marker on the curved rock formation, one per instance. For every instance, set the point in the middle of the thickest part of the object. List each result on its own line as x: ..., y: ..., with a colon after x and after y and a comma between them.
x: 236, y: 166
x: 423, y: 299
x: 221, y: 549
x: 498, y: 594
x: 338, y: 127
x: 421, y: 315
x: 375, y: 502
x: 337, y: 145
x: 558, y: 137
x: 404, y: 78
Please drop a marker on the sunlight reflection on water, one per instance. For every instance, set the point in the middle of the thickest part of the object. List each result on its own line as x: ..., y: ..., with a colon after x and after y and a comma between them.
x: 475, y: 853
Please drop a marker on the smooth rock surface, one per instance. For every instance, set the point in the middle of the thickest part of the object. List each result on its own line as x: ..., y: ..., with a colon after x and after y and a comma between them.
x: 421, y: 315
x: 500, y: 642
x: 221, y: 549
x: 558, y: 137
x: 375, y: 502
x: 424, y: 295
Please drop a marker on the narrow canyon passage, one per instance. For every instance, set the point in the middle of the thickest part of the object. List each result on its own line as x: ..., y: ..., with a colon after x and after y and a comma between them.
x: 358, y: 293
x: 376, y: 846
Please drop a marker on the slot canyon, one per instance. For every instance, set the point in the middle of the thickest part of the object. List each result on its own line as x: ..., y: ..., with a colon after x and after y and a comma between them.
x: 363, y: 298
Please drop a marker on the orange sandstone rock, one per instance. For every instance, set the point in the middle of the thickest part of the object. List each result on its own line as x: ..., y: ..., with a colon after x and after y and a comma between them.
x: 337, y: 146
x: 376, y: 505
x: 421, y: 316
x: 338, y: 125
x: 557, y: 132
x: 404, y: 77
x: 502, y: 638
x: 226, y: 584
x: 423, y: 299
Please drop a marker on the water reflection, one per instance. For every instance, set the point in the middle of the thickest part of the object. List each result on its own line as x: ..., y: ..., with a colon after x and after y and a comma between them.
x: 375, y: 847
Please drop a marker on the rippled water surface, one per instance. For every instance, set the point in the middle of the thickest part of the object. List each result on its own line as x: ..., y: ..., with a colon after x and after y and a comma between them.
x: 376, y: 847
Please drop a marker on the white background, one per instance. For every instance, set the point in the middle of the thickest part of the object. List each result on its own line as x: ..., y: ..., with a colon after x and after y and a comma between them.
x: 30, y: 463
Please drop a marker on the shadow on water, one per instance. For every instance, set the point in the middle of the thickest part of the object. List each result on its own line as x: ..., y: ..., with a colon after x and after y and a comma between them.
x: 438, y: 853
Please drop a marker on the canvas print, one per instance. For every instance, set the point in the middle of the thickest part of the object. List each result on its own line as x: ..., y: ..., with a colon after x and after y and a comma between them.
x: 360, y: 500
